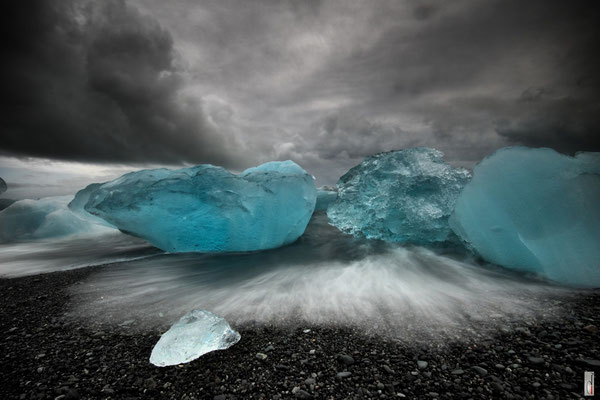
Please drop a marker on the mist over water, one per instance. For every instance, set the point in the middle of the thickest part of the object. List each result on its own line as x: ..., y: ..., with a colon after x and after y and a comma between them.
x: 325, y: 278
x: 28, y: 258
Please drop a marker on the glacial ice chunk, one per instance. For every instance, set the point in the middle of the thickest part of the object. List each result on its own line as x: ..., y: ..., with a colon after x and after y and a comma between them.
x: 196, y: 333
x: 325, y: 197
x: 535, y: 210
x: 48, y: 217
x: 77, y: 205
x: 399, y: 196
x: 3, y: 186
x: 207, y: 208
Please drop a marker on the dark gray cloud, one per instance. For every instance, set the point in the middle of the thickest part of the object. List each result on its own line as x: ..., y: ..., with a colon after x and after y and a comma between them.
x: 567, y: 124
x: 98, y: 81
x: 455, y: 81
x: 324, y: 83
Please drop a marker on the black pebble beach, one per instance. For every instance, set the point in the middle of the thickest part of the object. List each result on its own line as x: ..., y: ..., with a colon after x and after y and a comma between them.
x: 45, y: 355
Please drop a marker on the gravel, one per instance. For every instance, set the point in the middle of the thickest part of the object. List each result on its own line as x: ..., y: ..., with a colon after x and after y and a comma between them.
x: 46, y: 355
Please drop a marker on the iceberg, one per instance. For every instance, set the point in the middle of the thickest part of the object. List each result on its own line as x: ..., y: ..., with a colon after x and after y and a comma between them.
x: 535, y: 210
x: 48, y: 217
x: 326, y: 196
x: 196, y: 333
x: 206, y: 208
x: 3, y: 186
x: 399, y: 196
x: 77, y: 205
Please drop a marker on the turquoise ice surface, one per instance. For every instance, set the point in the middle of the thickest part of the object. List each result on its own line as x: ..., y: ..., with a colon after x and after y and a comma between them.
x: 207, y: 208
x: 535, y: 210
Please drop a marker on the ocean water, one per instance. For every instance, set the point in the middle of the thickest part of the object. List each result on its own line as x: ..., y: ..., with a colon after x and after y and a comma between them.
x: 41, y: 256
x: 324, y: 278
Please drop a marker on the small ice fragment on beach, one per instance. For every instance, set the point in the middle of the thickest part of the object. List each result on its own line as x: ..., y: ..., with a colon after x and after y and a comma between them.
x: 399, y: 196
x: 196, y: 333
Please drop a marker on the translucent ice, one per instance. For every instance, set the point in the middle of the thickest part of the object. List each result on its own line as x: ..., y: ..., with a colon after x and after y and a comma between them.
x: 208, y: 209
x: 3, y: 186
x: 325, y: 197
x: 77, y: 205
x: 48, y: 217
x: 196, y: 333
x: 400, y: 196
x: 535, y: 210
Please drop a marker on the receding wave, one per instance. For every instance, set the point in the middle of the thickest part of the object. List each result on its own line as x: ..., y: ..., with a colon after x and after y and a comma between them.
x: 326, y: 278
x: 40, y: 256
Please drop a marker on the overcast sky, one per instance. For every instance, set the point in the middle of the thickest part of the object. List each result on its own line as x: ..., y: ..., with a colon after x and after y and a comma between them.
x: 92, y: 89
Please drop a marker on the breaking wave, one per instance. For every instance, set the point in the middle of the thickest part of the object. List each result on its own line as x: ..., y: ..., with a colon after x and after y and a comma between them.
x: 325, y: 278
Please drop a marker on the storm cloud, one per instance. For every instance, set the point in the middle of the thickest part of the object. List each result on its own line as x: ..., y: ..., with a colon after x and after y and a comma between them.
x: 98, y: 81
x: 324, y: 83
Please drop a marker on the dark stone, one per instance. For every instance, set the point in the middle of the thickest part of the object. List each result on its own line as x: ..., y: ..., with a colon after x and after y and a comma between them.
x: 72, y: 394
x: 150, y: 383
x: 589, y: 363
x: 387, y: 369
x: 303, y: 394
x: 497, y: 386
x: 479, y: 370
x: 345, y: 359
x: 536, y: 360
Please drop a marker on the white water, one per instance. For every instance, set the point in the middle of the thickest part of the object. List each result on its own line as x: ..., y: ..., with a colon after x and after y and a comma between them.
x: 77, y: 251
x: 325, y: 278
